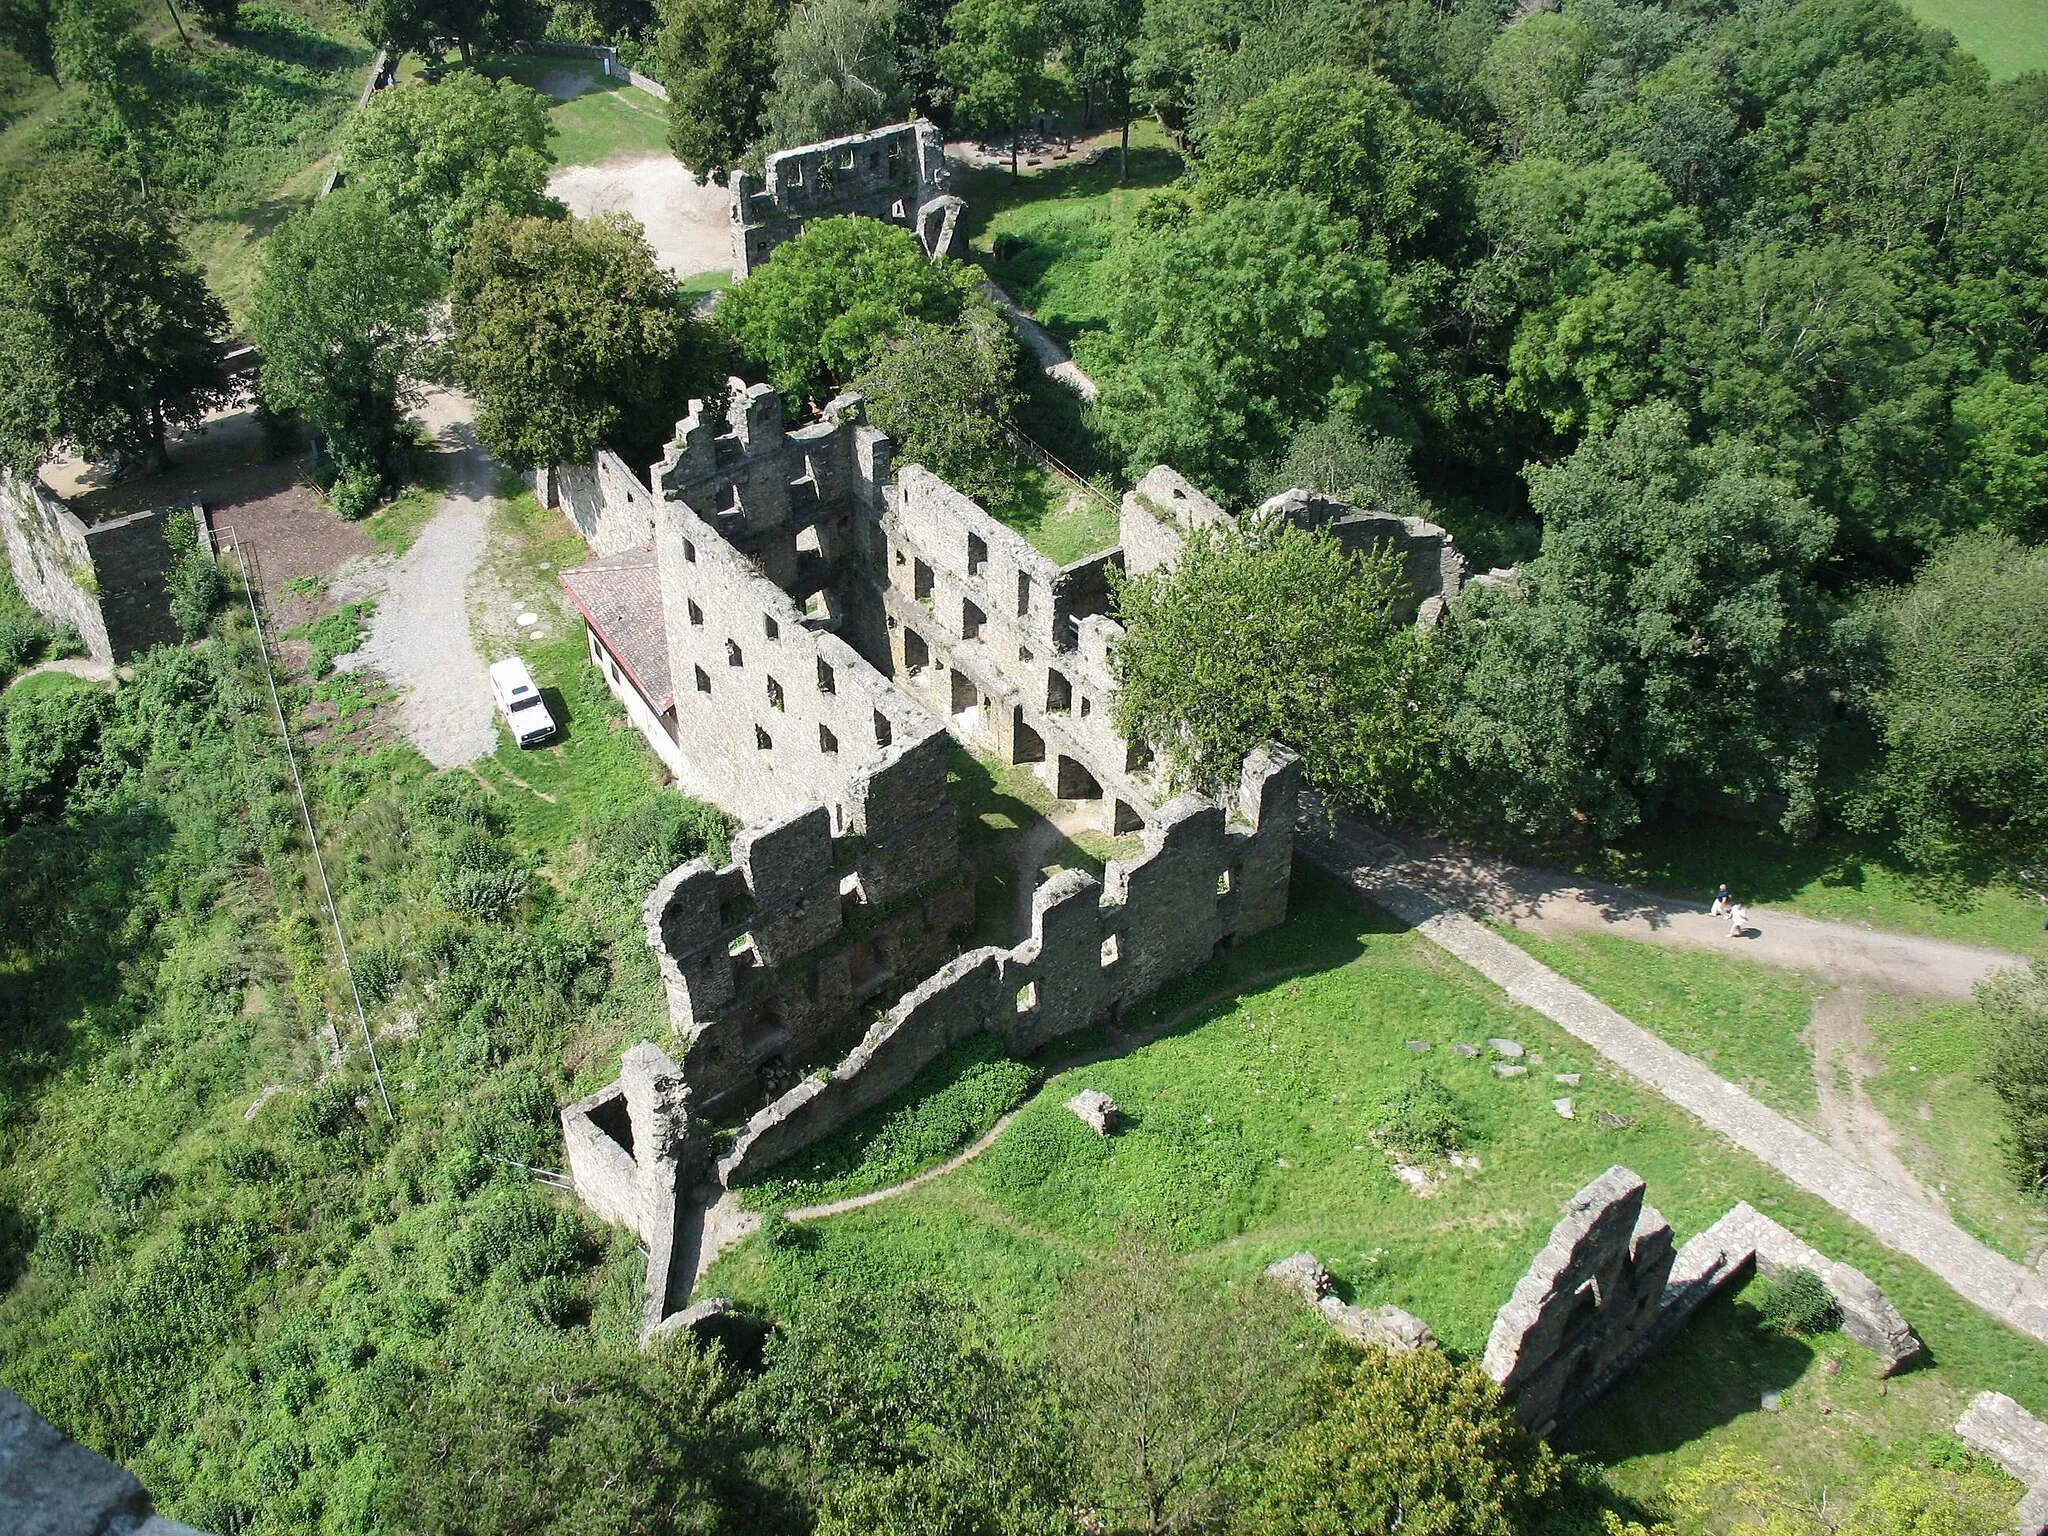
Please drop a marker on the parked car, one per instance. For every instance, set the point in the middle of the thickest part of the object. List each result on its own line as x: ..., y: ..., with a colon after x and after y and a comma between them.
x: 526, y: 714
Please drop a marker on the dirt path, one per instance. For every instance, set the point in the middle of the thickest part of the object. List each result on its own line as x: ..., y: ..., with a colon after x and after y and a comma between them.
x: 1546, y: 902
x: 1043, y: 346
x: 2006, y: 1290
x: 420, y: 637
x: 1843, y: 1063
x: 1035, y: 848
x: 83, y: 667
x: 688, y: 222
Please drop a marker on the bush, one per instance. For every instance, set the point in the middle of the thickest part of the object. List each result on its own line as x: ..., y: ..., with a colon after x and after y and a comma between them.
x: 1424, y: 1119
x: 2016, y: 1067
x: 1797, y: 1304
x: 378, y: 969
x: 325, y: 1112
x: 197, y: 592
x: 355, y: 492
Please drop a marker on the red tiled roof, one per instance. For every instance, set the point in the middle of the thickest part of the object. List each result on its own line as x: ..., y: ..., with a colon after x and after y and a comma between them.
x: 620, y: 597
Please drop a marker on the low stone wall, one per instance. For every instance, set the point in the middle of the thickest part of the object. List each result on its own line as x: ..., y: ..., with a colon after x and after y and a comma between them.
x: 1996, y: 1426
x: 51, y: 560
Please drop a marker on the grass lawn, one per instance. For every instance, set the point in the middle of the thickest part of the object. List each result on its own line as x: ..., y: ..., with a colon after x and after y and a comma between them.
x: 597, y: 118
x: 1249, y: 1135
x: 1838, y: 878
x: 1063, y: 522
x: 1745, y: 1021
x: 2010, y: 36
x: 50, y: 682
x: 1931, y: 1093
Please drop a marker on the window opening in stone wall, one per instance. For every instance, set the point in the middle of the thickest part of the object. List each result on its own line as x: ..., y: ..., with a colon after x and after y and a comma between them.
x: 846, y: 161
x: 896, y: 210
x: 1073, y: 781
x: 966, y: 697
x: 1086, y: 707
x: 796, y: 172
x: 769, y: 627
x: 1137, y: 757
x: 1023, y: 594
x: 883, y: 733
x: 696, y: 613
x: 1223, y: 883
x: 808, y: 542
x: 977, y: 554
x: 826, y: 682
x: 1122, y: 819
x: 1112, y: 951
x: 729, y: 497
x: 916, y: 654
x: 763, y: 740
x: 971, y: 620
x: 1026, y: 745
x: 899, y: 557
x: 703, y: 681
x: 689, y: 552
x: 921, y: 582
x: 774, y: 694
x: 732, y: 654
x: 1027, y: 997
x: 827, y: 742
x: 881, y: 549
x: 1059, y: 693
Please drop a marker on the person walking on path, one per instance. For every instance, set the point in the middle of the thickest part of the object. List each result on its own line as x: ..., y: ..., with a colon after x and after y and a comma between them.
x: 1738, y: 919
x: 1723, y: 900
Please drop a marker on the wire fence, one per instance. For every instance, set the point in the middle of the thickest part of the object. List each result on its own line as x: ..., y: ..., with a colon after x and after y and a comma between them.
x: 1031, y: 446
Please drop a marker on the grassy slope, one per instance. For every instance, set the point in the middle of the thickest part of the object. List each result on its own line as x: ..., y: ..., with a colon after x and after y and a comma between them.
x: 1744, y: 1020
x: 2010, y: 36
x: 1250, y: 1138
x: 604, y: 120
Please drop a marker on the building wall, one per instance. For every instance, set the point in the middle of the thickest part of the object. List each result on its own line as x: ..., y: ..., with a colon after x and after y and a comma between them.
x: 660, y: 730
x: 51, y: 560
x: 889, y: 174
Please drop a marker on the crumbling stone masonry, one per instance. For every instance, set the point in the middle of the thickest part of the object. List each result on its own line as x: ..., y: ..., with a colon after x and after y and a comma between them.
x: 1996, y: 1426
x: 107, y: 579
x: 800, y: 629
x: 50, y: 1485
x: 897, y: 174
x: 1607, y: 1289
x: 1387, y: 1327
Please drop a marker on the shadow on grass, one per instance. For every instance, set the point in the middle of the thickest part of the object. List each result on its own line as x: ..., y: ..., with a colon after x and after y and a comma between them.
x: 1715, y: 1371
x: 995, y: 817
x: 990, y: 191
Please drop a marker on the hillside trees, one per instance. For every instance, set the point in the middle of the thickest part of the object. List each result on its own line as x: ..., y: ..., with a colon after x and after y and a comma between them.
x: 27, y: 28
x: 1666, y: 640
x: 2015, y: 1003
x: 438, y: 158
x: 572, y: 339
x: 1270, y: 631
x: 1231, y: 327
x: 340, y: 317
x: 816, y: 310
x: 995, y: 64
x: 835, y: 72
x: 945, y: 395
x: 108, y: 334
x: 718, y: 61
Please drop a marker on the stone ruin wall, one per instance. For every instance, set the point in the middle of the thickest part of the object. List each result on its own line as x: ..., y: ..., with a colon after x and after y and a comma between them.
x: 897, y: 174
x: 107, y: 580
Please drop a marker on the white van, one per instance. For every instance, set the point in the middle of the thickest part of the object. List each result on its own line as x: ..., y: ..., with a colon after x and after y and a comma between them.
x: 520, y: 702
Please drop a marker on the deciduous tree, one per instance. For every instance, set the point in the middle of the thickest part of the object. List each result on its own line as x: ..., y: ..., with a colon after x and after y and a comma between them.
x: 27, y: 28
x: 718, y: 62
x: 340, y: 318
x: 944, y: 394
x: 2015, y: 1002
x: 835, y: 72
x: 813, y: 314
x: 1270, y: 631
x: 108, y: 333
x: 995, y: 64
x: 572, y: 339
x: 440, y: 156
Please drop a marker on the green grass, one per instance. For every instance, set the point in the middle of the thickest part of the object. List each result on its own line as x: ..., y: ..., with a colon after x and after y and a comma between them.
x: 1838, y: 878
x: 1249, y: 1135
x: 398, y: 522
x: 951, y: 1103
x: 996, y: 802
x: 1746, y: 1021
x: 1062, y: 522
x: 596, y: 119
x: 49, y: 682
x: 701, y: 285
x: 1932, y: 1057
x: 2010, y: 36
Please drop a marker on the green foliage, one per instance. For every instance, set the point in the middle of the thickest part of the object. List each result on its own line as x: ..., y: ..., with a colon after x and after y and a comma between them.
x: 572, y: 339
x: 1797, y: 1302
x: 1230, y: 329
x: 951, y: 1102
x: 835, y: 73
x: 51, y: 740
x: 1961, y: 702
x: 1339, y: 458
x: 340, y: 316
x: 418, y: 26
x: 1424, y: 1119
x: 995, y: 62
x: 945, y: 395
x: 26, y: 28
x: 1745, y: 1496
x: 198, y: 590
x: 1414, y: 1442
x: 1270, y: 632
x: 1666, y: 641
x: 336, y: 633
x: 441, y: 157
x: 108, y: 334
x: 356, y: 491
x: 23, y: 635
x: 2016, y: 1067
x: 815, y: 313
x: 718, y: 60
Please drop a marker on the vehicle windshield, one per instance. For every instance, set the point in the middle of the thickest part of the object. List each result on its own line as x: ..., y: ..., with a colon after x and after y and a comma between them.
x: 532, y: 702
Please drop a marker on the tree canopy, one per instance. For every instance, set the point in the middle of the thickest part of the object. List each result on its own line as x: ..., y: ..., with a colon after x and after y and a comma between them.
x: 108, y: 333
x: 813, y: 314
x: 572, y: 339
x: 945, y: 394
x: 835, y: 72
x: 440, y: 156
x: 718, y: 61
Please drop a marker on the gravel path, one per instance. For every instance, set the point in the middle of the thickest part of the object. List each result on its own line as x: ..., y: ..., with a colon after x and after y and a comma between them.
x: 2006, y: 1290
x: 72, y: 666
x: 1043, y: 345
x: 420, y: 637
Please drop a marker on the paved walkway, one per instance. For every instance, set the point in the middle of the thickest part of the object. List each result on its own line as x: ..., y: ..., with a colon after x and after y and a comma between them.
x: 419, y: 637
x: 2006, y: 1290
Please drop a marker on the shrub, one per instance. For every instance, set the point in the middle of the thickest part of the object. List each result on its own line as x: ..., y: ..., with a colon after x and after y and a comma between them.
x: 249, y: 1165
x: 1424, y: 1119
x: 197, y: 592
x: 2016, y: 1067
x: 1797, y: 1304
x: 378, y: 969
x: 325, y: 1113
x: 355, y: 492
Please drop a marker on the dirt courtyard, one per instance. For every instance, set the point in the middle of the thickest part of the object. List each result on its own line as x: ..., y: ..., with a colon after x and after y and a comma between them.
x: 688, y: 222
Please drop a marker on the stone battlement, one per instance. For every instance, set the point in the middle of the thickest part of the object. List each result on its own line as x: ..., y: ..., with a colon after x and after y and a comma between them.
x: 897, y: 174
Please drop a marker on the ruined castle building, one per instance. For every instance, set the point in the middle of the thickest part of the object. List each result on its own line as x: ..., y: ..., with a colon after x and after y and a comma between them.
x: 801, y: 630
x: 896, y: 174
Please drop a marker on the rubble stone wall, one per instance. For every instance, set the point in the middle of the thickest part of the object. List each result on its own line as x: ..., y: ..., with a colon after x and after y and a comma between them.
x: 892, y: 173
